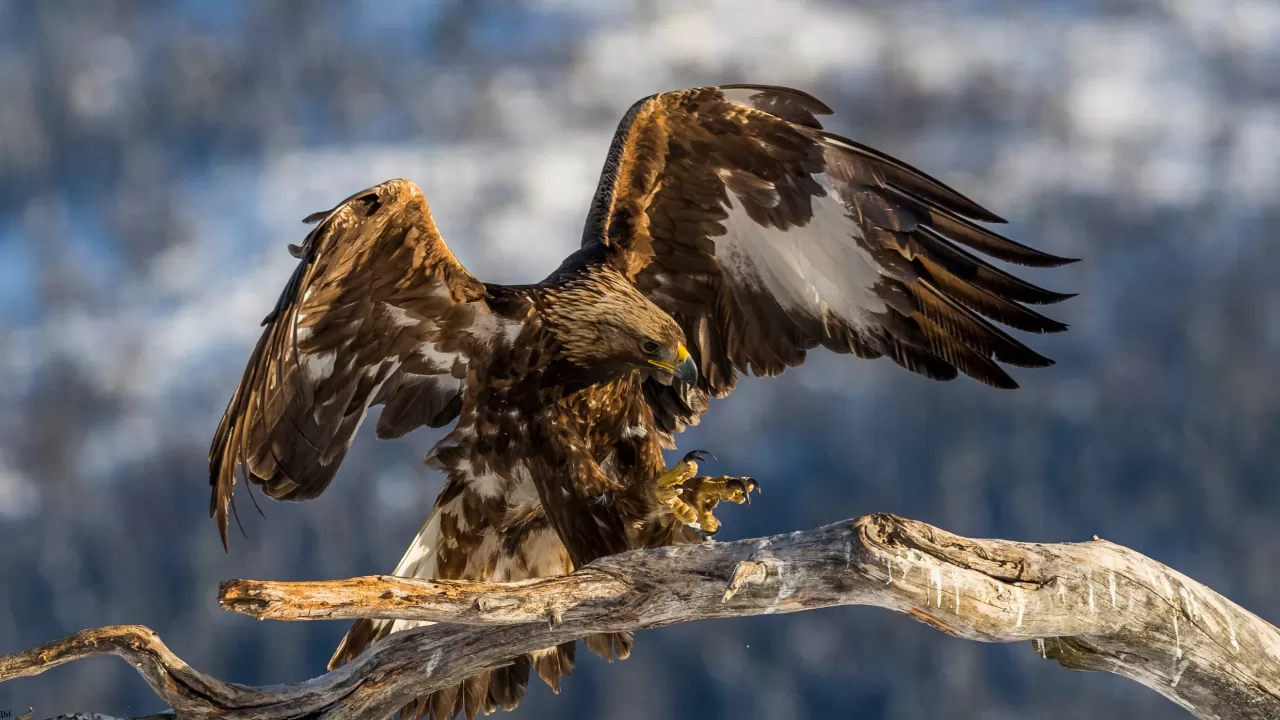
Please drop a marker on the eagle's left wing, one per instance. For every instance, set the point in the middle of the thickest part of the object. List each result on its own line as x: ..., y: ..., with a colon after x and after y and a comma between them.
x: 766, y: 236
x: 378, y: 312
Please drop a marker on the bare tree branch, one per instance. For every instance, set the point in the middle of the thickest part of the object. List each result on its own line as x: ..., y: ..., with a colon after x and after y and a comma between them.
x: 1090, y: 606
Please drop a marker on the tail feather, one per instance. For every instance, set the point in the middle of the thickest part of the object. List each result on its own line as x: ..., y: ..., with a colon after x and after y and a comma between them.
x: 499, y: 688
x: 610, y: 645
x: 555, y: 663
x: 528, y: 548
x: 507, y: 684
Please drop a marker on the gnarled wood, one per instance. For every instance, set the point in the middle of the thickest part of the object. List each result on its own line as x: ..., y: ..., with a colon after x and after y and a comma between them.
x: 1090, y: 606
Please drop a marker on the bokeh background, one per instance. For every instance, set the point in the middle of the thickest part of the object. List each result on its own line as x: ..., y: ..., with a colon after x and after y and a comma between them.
x: 156, y: 158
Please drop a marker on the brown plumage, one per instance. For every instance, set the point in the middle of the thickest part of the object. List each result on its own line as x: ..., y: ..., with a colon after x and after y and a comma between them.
x: 727, y: 228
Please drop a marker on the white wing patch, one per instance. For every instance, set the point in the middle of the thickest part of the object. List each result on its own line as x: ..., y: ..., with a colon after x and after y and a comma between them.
x: 318, y: 366
x: 435, y: 359
x: 399, y: 316
x: 811, y: 269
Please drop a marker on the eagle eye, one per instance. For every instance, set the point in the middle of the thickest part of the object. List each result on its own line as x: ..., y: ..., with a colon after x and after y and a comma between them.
x: 650, y: 347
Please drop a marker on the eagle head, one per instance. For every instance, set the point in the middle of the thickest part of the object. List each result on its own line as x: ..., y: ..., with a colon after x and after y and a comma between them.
x: 606, y: 329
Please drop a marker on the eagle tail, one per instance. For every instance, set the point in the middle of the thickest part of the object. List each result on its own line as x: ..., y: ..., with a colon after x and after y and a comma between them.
x: 498, y: 689
x: 448, y: 546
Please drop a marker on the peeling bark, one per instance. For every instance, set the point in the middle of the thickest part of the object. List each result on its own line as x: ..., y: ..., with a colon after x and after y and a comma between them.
x: 1090, y: 606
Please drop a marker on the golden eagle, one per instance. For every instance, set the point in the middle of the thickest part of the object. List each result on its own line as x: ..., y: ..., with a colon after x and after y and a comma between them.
x: 729, y: 234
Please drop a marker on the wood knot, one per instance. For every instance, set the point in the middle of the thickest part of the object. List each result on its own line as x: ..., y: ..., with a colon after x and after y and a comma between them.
x: 880, y: 528
x: 746, y: 572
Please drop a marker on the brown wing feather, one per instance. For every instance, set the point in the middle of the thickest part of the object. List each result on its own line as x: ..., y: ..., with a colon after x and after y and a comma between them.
x: 766, y: 236
x: 371, y: 315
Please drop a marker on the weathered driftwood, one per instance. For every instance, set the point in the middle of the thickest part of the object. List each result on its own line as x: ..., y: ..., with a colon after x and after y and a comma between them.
x: 1090, y: 606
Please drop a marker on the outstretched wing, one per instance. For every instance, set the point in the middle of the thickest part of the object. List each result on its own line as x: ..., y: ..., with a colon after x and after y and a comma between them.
x: 766, y: 236
x: 378, y: 311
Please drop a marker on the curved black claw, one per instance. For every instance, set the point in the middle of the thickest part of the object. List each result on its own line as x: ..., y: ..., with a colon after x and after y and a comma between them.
x: 700, y: 456
x: 746, y: 485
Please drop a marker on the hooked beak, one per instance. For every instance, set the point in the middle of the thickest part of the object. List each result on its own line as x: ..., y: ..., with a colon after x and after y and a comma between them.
x: 685, y: 369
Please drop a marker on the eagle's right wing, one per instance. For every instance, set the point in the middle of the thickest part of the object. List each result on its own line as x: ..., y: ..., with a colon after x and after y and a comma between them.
x: 767, y: 237
x: 377, y: 312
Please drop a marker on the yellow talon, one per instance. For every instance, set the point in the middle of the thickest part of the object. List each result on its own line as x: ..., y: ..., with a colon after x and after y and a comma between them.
x: 693, y: 498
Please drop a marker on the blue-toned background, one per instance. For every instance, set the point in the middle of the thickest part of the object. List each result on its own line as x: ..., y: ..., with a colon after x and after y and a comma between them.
x: 156, y: 158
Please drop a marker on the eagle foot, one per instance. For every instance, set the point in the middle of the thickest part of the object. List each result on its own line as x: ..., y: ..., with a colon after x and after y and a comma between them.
x: 692, y: 498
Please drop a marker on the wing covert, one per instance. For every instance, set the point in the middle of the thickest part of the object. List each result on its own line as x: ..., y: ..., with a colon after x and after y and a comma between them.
x: 378, y: 311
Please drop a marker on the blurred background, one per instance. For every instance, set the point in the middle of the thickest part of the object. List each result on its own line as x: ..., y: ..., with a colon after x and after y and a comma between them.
x: 156, y: 158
